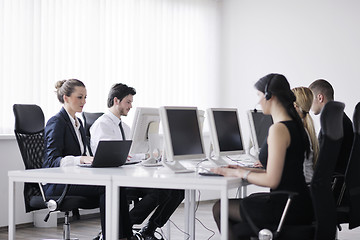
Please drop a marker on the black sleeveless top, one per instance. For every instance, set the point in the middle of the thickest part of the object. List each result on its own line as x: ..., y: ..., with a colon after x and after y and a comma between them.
x: 269, y: 209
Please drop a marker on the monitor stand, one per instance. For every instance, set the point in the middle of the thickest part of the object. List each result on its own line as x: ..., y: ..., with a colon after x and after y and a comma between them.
x: 217, y: 160
x: 174, y: 166
x: 151, y: 162
x: 154, y: 141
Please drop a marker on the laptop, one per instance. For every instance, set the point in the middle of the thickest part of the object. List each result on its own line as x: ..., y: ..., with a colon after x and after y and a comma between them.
x: 110, y: 153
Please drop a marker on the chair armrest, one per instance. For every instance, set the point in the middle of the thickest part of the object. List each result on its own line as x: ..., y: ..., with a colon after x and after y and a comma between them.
x: 253, y: 226
x: 53, y: 205
x: 61, y: 198
x: 335, y: 178
x: 338, y: 175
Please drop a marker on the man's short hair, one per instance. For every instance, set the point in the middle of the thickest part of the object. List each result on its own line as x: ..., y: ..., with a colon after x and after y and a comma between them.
x: 324, y: 87
x: 120, y: 91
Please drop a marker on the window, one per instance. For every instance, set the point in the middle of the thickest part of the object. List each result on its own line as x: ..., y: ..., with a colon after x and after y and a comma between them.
x: 168, y: 50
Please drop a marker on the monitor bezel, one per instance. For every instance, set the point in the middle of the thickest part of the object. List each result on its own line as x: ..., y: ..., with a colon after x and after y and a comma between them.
x: 136, y: 130
x: 214, y: 135
x: 167, y: 136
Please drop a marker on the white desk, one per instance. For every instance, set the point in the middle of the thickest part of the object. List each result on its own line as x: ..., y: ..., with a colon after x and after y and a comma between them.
x: 133, y: 176
x: 68, y: 175
x: 129, y: 176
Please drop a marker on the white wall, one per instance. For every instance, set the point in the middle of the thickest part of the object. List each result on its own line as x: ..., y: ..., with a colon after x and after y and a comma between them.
x: 11, y: 160
x: 304, y: 40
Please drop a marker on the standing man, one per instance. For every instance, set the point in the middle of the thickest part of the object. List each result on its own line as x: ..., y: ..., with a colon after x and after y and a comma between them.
x: 323, y: 93
x: 111, y: 127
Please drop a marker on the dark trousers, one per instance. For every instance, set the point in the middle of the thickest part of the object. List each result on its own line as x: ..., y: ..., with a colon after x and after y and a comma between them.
x: 97, y: 193
x: 165, y: 201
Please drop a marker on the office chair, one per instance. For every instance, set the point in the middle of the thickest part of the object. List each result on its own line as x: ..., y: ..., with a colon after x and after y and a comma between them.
x: 350, y: 213
x: 29, y: 132
x: 89, y: 119
x: 324, y: 225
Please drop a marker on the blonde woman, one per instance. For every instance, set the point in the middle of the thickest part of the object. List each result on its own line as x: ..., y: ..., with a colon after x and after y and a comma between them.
x: 304, y: 100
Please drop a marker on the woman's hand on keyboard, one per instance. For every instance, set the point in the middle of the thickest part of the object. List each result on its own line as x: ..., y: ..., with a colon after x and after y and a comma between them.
x: 228, y: 171
x: 258, y: 164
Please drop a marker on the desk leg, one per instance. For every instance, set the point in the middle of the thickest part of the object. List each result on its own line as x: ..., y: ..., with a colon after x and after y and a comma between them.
x: 224, y: 216
x: 243, y: 191
x: 190, y: 214
x: 111, y: 214
x: 12, y: 226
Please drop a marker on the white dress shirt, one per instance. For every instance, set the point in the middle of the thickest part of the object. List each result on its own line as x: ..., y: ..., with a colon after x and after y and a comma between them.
x: 107, y: 127
x: 74, y: 160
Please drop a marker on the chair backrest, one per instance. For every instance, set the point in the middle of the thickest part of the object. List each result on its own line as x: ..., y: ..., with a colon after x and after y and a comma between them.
x: 89, y: 119
x: 331, y: 120
x: 29, y: 132
x: 352, y: 176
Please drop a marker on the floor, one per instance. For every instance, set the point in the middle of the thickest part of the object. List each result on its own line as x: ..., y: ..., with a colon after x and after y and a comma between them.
x: 88, y: 228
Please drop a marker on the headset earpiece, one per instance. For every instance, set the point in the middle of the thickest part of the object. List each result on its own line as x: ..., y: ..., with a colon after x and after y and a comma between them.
x: 268, y: 93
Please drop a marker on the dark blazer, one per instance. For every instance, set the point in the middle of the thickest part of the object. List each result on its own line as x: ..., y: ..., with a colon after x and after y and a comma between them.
x: 61, y: 139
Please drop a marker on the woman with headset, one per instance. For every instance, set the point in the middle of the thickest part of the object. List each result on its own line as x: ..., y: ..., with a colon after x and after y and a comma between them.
x: 282, y: 156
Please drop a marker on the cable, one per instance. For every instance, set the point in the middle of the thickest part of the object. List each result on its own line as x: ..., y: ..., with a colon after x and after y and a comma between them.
x: 203, y: 160
x: 187, y: 234
x: 198, y: 202
x: 197, y: 207
x: 212, y: 232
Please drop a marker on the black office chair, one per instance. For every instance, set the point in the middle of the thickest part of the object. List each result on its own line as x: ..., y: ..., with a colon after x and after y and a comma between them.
x: 89, y: 118
x: 324, y: 225
x: 29, y: 132
x: 351, y: 213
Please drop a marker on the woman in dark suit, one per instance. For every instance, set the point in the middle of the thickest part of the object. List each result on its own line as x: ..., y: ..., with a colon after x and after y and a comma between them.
x: 66, y: 145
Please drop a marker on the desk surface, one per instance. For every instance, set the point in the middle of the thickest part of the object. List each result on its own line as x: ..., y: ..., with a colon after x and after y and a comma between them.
x: 130, y: 175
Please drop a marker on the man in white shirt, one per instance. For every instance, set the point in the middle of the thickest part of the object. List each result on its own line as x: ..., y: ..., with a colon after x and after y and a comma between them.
x: 110, y: 127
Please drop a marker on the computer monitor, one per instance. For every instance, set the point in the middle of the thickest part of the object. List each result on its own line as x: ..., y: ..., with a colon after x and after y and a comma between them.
x: 182, y: 136
x: 259, y: 127
x: 145, y: 134
x: 225, y: 131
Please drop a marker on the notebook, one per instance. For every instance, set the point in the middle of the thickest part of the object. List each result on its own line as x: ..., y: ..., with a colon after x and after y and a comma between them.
x: 110, y: 154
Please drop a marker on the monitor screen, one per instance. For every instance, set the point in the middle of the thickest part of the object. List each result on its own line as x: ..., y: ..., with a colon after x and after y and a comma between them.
x: 225, y: 131
x: 183, y: 138
x: 259, y: 126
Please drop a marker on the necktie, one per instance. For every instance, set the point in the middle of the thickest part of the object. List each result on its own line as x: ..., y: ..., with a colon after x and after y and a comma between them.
x: 122, y: 131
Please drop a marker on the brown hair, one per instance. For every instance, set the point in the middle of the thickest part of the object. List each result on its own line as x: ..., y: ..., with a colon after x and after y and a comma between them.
x: 304, y: 99
x: 67, y: 87
x: 120, y: 91
x: 324, y: 87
